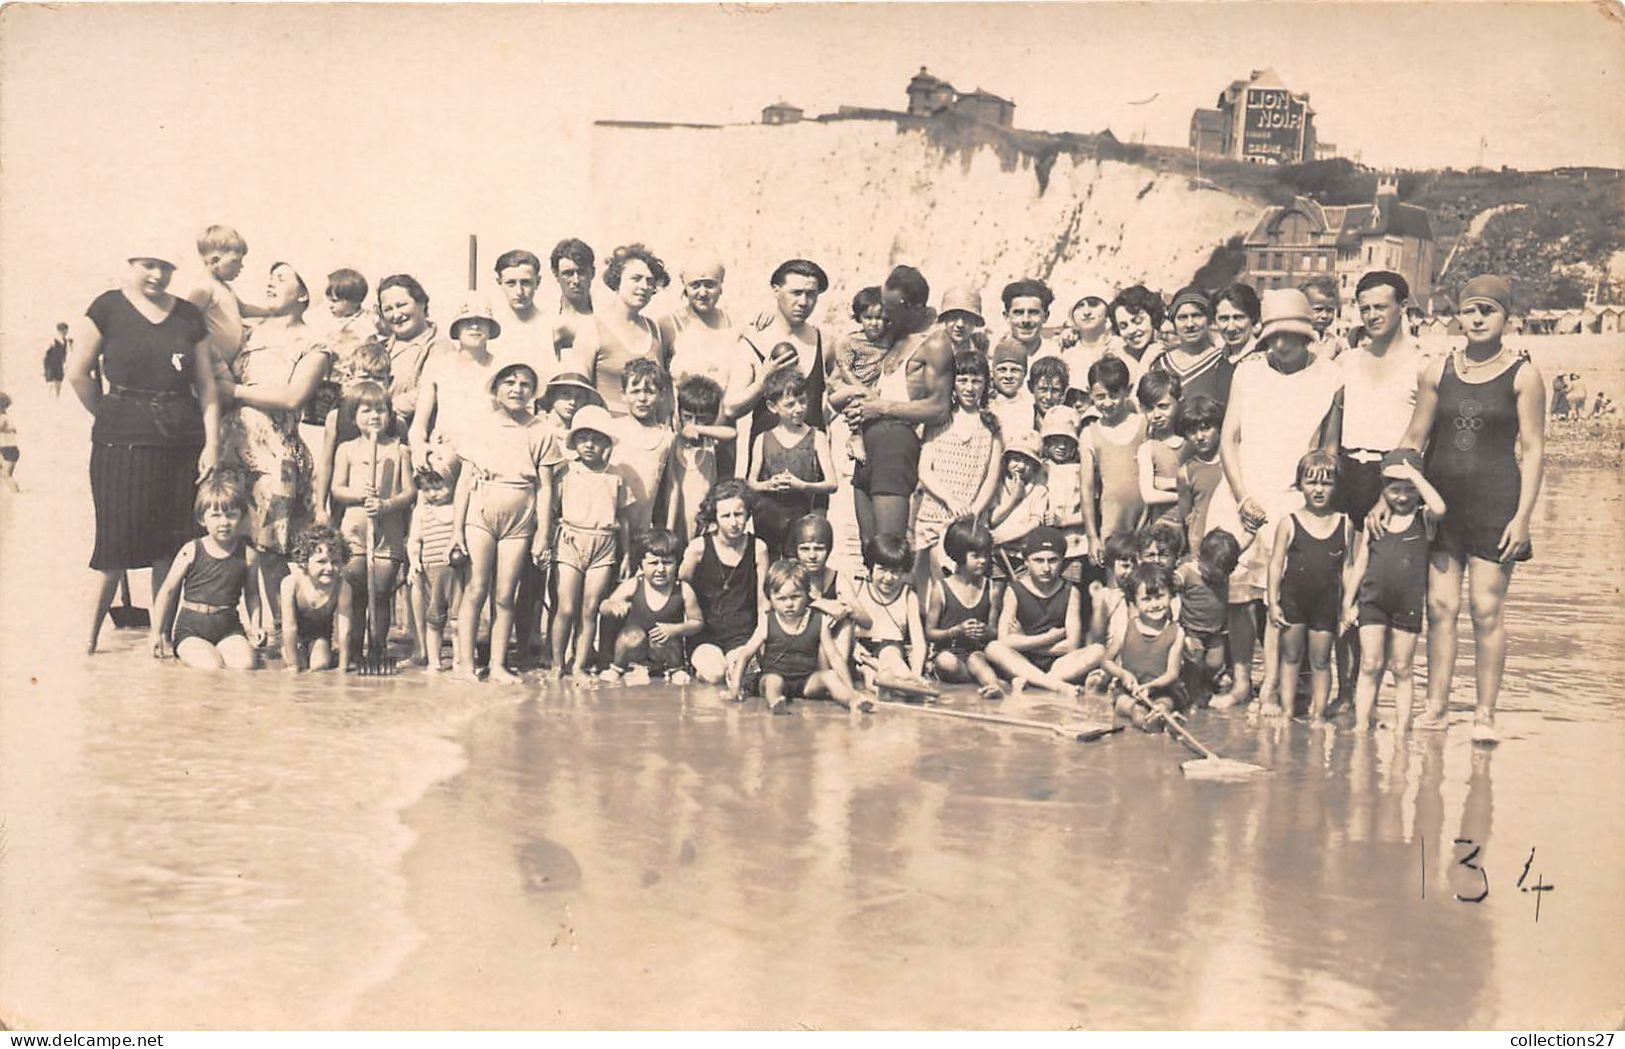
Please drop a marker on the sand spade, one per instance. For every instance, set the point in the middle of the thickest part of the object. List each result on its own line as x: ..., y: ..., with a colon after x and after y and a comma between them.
x: 1083, y: 732
x: 1209, y: 765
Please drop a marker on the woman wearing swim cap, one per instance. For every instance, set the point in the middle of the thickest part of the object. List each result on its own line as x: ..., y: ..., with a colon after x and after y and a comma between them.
x: 1479, y: 411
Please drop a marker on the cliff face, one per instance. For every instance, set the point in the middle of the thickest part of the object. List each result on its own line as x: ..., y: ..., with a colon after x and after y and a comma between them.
x: 861, y: 196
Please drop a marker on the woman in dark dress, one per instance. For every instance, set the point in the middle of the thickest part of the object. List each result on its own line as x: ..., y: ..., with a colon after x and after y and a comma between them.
x: 156, y: 430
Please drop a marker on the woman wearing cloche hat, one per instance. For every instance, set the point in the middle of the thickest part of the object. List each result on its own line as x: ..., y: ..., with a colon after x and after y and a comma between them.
x: 1481, y: 416
x: 1280, y: 405
x: 455, y: 389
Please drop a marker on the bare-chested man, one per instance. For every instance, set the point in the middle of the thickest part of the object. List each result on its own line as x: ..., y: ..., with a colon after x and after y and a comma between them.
x: 527, y: 332
x: 914, y: 390
x: 575, y: 336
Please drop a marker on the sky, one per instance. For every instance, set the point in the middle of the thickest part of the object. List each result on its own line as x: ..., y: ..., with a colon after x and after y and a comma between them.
x: 378, y: 136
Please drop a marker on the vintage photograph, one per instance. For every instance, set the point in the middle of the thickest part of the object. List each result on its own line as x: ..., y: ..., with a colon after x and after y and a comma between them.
x: 870, y: 516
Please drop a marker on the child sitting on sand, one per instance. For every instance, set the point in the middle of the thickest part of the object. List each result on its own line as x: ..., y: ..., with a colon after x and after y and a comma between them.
x: 372, y: 484
x: 1386, y: 588
x: 1109, y: 599
x: 886, y: 612
x: 726, y: 565
x: 793, y: 646
x: 1041, y: 624
x: 809, y: 542
x: 315, y: 594
x: 1142, y: 663
x: 657, y: 611
x: 959, y: 610
x: 210, y: 575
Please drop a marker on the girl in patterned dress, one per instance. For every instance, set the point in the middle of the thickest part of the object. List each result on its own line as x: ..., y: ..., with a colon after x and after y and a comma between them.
x: 957, y: 478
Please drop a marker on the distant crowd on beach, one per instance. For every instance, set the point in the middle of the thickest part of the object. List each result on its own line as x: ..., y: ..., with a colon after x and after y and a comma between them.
x: 1112, y: 491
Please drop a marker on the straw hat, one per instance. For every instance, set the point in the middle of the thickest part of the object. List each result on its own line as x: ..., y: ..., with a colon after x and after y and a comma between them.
x: 1061, y: 421
x: 571, y: 380
x: 1286, y: 310
x: 476, y: 310
x: 595, y: 418
x: 1027, y: 444
x: 962, y: 299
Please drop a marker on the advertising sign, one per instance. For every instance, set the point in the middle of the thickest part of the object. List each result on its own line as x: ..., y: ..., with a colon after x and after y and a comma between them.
x: 1273, y: 129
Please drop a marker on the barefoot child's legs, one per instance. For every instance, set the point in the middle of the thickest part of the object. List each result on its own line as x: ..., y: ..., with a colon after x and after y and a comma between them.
x: 1401, y: 654
x: 1320, y: 672
x: 596, y: 585
x: 1016, y: 665
x: 566, y: 615
x: 1293, y: 640
x: 1373, y: 660
x: 512, y: 554
x: 482, y: 555
x: 440, y: 597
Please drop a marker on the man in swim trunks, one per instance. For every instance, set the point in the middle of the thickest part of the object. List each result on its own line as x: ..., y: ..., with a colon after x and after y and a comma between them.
x: 796, y: 283
x: 914, y: 390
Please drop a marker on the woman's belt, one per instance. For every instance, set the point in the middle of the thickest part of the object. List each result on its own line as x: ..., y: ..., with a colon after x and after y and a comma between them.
x: 150, y: 396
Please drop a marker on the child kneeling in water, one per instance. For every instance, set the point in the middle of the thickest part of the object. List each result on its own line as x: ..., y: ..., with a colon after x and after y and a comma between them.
x: 315, y: 594
x: 1143, y: 662
x: 658, y: 610
x: 959, y: 610
x: 793, y: 645
x: 211, y: 575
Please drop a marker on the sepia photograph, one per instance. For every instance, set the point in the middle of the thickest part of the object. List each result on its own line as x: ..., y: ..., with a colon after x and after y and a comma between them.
x: 1104, y: 516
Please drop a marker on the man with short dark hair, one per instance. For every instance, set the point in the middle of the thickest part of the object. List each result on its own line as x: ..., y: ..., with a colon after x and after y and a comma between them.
x: 1026, y: 310
x: 574, y: 339
x: 527, y: 332
x: 914, y: 390
x: 796, y: 285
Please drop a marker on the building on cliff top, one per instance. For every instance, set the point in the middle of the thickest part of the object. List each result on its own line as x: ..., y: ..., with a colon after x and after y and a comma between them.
x: 1304, y: 239
x: 1257, y: 120
x: 929, y: 95
x: 782, y: 113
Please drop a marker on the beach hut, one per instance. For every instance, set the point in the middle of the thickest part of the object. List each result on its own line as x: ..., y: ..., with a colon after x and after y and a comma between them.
x: 1610, y: 318
x: 1568, y: 322
x: 1589, y: 318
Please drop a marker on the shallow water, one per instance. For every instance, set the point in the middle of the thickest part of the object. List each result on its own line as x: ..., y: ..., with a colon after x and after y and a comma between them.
x: 183, y: 850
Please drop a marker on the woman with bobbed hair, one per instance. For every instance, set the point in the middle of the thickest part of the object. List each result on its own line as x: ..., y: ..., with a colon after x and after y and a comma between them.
x: 411, y: 338
x: 1236, y: 313
x: 634, y: 274
x: 1136, y: 315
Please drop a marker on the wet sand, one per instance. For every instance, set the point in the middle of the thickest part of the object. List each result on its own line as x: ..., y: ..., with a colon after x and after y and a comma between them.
x: 185, y: 850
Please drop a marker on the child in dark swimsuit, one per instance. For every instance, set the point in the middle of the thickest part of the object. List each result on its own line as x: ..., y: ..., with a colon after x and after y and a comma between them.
x: 1306, y: 569
x: 210, y: 575
x: 1386, y: 588
x: 809, y: 542
x: 725, y: 565
x: 793, y: 646
x: 791, y: 469
x: 1143, y: 660
x: 1041, y: 624
x: 314, y: 594
x: 658, y: 612
x: 959, y: 610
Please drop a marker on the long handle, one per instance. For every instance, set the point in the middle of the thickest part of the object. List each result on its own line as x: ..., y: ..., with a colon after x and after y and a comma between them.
x: 970, y: 715
x: 370, y: 655
x: 1176, y: 725
x: 473, y: 262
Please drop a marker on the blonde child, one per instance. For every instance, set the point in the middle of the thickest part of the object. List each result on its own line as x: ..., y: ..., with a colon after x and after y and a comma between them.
x: 210, y: 576
x: 791, y: 468
x: 694, y: 467
x: 959, y: 611
x: 957, y: 477
x: 886, y: 612
x: 1142, y: 662
x: 1160, y: 457
x: 794, y: 648
x: 1041, y: 626
x: 1311, y: 552
x: 372, y: 484
x: 1010, y: 402
x: 501, y: 497
x: 221, y: 250
x: 367, y: 363
x: 315, y: 596
x: 585, y: 507
x: 1111, y: 447
x: 658, y: 611
x: 1387, y: 584
x: 437, y: 579
x: 726, y: 566
x: 1071, y: 507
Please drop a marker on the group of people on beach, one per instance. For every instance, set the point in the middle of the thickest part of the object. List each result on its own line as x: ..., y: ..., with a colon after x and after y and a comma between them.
x: 1120, y: 499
